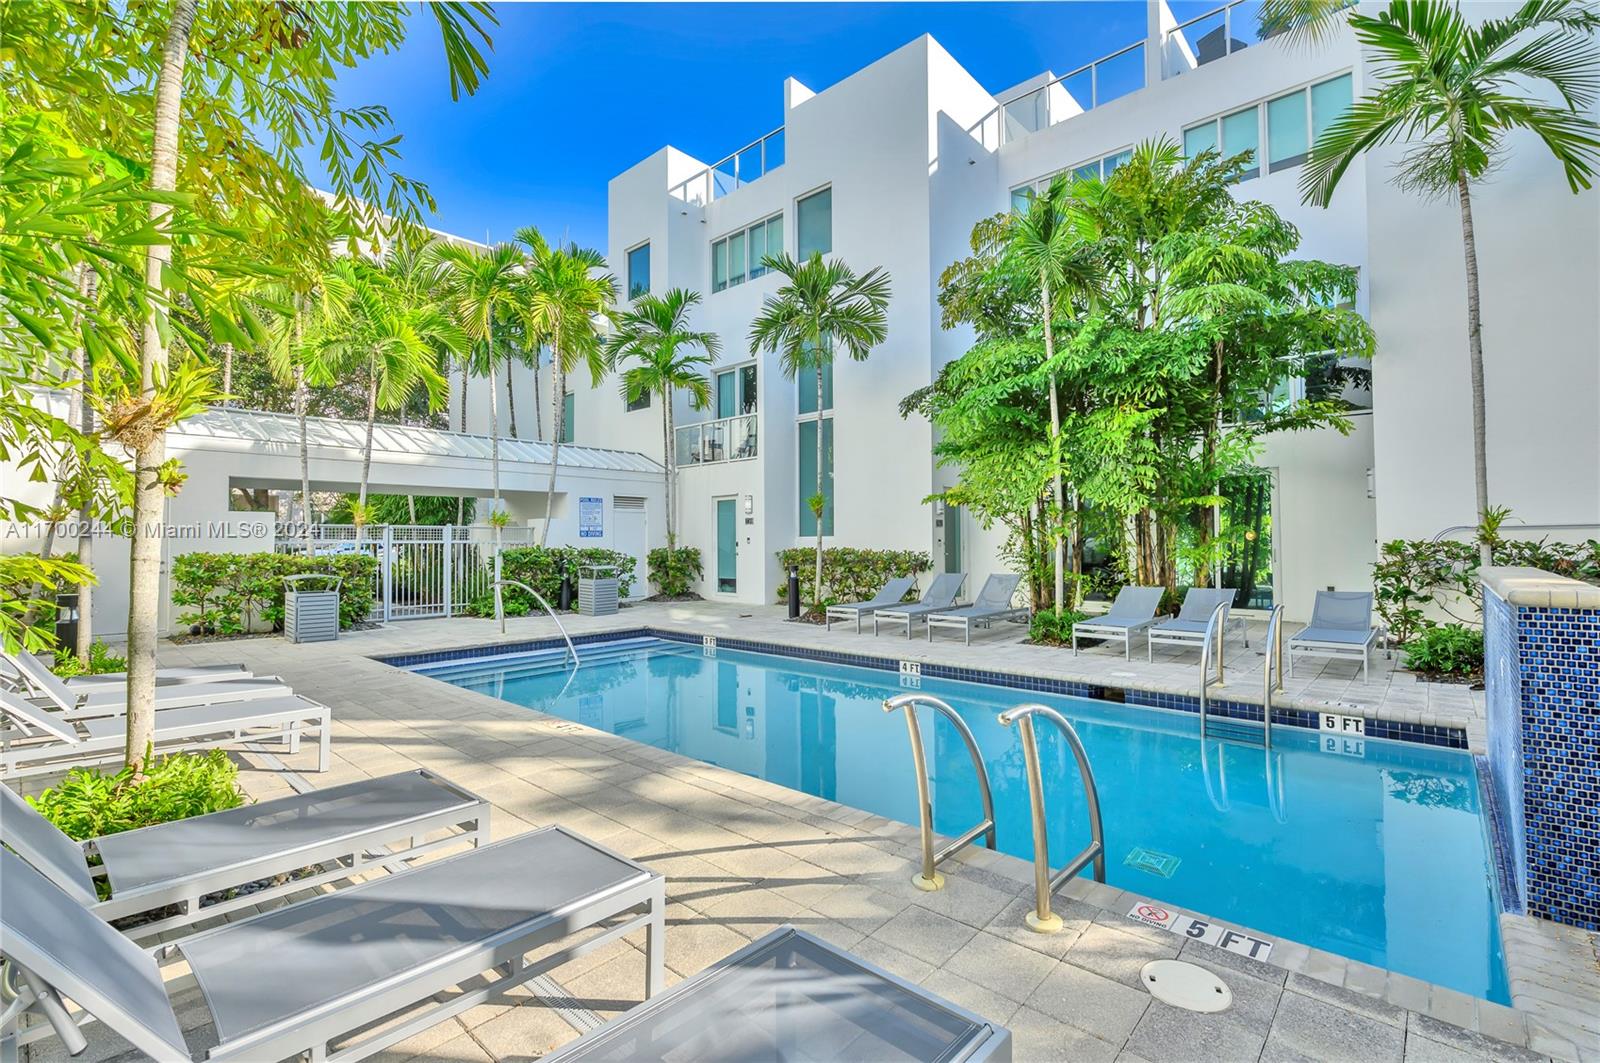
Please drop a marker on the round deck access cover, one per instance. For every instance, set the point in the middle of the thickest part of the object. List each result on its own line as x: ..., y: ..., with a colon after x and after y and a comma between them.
x: 1185, y: 985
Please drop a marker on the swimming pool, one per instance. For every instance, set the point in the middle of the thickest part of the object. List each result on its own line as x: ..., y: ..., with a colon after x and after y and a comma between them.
x: 1378, y: 854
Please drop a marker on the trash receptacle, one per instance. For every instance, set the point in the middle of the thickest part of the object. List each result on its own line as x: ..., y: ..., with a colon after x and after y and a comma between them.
x: 311, y: 615
x: 597, y: 590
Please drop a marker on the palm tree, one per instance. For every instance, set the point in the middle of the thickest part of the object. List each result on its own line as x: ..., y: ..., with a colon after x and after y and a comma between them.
x: 1047, y: 245
x: 656, y: 335
x: 287, y: 356
x: 823, y: 307
x: 565, y: 302
x: 1453, y: 91
x: 391, y: 338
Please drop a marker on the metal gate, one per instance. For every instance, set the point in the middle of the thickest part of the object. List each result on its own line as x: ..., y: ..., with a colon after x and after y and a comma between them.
x: 423, y: 570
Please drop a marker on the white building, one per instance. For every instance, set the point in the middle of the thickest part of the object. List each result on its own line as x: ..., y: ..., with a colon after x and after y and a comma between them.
x: 892, y: 166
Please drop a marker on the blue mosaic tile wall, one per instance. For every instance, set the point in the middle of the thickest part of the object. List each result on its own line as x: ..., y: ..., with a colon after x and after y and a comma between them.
x: 1503, y: 700
x: 1555, y: 684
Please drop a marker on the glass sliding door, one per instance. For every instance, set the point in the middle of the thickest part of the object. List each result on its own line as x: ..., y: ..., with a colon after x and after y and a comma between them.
x: 1244, y: 524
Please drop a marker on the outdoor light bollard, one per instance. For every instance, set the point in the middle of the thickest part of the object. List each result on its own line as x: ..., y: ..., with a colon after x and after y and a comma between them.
x: 1042, y: 920
x: 794, y: 592
x: 564, y: 598
x: 929, y: 879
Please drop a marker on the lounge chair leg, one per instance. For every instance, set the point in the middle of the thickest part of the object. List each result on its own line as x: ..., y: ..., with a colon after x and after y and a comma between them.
x: 965, y: 630
x: 654, y: 944
x: 325, y: 744
x: 1127, y: 647
x: 1074, y: 643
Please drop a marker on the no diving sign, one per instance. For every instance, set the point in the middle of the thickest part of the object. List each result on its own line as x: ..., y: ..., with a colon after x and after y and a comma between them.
x: 1189, y: 926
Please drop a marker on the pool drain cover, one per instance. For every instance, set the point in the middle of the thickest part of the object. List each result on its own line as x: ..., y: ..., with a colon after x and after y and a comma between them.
x: 1185, y: 985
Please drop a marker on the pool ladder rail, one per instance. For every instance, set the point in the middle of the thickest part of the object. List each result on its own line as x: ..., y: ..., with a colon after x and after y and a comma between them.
x: 1042, y: 919
x: 1272, y: 672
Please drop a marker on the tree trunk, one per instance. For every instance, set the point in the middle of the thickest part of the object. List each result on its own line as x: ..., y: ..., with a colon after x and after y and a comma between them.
x: 538, y: 403
x: 816, y: 586
x: 1480, y: 446
x: 511, y: 398
x: 668, y: 459
x: 1047, y: 308
x: 558, y: 394
x: 366, y: 447
x: 85, y: 511
x: 494, y: 473
x: 227, y: 374
x: 302, y: 399
x: 149, y: 500
x: 463, y: 426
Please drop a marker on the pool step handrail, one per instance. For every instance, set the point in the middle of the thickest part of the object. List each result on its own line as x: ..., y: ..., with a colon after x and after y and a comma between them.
x: 544, y: 605
x: 1042, y: 919
x: 1273, y: 673
x: 1218, y: 625
x: 929, y: 879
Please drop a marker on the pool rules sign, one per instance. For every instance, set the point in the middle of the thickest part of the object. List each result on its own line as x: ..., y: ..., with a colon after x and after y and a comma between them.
x: 1212, y: 933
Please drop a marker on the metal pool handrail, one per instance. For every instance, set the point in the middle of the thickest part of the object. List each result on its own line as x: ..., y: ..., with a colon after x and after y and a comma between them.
x: 1042, y: 919
x: 1274, y: 667
x: 1218, y: 623
x: 930, y: 879
x: 546, y: 605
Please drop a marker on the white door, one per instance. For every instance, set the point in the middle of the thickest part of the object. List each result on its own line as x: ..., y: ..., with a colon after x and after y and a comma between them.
x: 629, y: 535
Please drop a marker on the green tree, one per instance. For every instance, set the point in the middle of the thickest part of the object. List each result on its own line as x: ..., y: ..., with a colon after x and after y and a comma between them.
x: 1453, y: 91
x: 821, y: 309
x: 655, y: 335
x: 566, y: 297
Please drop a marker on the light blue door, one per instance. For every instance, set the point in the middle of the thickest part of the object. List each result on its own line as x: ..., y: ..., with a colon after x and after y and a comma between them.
x: 727, y: 546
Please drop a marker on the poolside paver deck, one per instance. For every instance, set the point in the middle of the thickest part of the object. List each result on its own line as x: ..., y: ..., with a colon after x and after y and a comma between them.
x: 742, y: 855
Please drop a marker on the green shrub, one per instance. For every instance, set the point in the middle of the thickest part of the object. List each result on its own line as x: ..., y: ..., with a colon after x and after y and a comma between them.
x: 1047, y: 629
x: 1446, y: 649
x: 673, y: 571
x: 230, y: 592
x: 540, y: 567
x: 849, y: 574
x: 101, y: 660
x: 88, y: 803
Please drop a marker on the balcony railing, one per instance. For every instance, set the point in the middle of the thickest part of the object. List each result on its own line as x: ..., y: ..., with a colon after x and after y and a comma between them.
x: 1069, y: 95
x: 729, y: 439
x: 1214, y: 35
x: 749, y: 163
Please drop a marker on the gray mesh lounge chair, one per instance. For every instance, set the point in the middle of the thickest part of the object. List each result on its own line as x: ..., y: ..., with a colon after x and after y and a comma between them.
x: 112, y: 700
x: 941, y: 597
x: 791, y: 996
x: 23, y: 663
x: 1189, y: 627
x: 38, y: 741
x: 197, y: 864
x: 890, y: 595
x: 290, y: 981
x: 1133, y: 611
x: 1341, y: 627
x: 993, y: 603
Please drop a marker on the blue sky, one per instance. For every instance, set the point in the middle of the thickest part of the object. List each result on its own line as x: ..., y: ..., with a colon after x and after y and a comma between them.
x: 576, y: 93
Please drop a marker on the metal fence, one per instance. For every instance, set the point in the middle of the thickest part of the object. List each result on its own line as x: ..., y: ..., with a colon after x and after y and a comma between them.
x: 423, y: 570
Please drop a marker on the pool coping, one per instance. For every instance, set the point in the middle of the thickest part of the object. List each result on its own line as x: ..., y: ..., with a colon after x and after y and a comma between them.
x: 1291, y: 714
x: 1509, y: 1026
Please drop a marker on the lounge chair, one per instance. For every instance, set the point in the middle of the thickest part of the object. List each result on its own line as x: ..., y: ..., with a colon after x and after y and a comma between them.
x: 112, y: 700
x: 24, y: 663
x: 37, y: 741
x: 993, y: 603
x: 1188, y: 628
x: 1341, y: 627
x: 1133, y: 611
x: 891, y: 594
x: 330, y: 969
x: 792, y: 996
x: 940, y: 597
x: 198, y: 864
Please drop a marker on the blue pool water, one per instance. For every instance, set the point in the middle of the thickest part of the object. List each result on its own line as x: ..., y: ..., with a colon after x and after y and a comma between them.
x: 1380, y: 857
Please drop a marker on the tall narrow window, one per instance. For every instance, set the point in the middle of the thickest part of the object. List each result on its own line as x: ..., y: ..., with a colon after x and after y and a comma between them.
x: 1200, y: 138
x: 1329, y: 100
x: 1020, y: 198
x: 736, y: 258
x: 814, y: 224
x: 639, y: 271
x: 806, y: 385
x: 758, y: 250
x: 1241, y: 132
x: 568, y: 411
x: 747, y: 388
x: 719, y: 265
x: 1287, y: 136
x: 807, y: 444
x: 775, y: 235
x: 727, y: 393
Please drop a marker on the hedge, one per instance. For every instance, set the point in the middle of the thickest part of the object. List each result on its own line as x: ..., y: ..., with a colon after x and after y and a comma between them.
x: 229, y: 592
x: 540, y: 567
x: 850, y: 574
x: 674, y: 571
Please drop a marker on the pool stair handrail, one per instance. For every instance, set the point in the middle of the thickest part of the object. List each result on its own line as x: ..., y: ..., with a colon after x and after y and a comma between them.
x: 1042, y: 920
x: 543, y: 604
x: 1218, y: 625
x: 1272, y: 678
x: 929, y: 878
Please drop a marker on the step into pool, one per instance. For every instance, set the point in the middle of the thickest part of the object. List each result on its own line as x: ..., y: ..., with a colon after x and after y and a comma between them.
x: 1376, y: 851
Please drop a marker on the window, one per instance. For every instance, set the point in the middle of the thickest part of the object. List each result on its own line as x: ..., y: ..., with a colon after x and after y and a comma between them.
x: 639, y: 271
x: 813, y: 224
x: 640, y: 403
x: 1293, y: 123
x: 568, y: 416
x: 1095, y: 169
x: 806, y: 388
x: 1020, y: 198
x: 808, y: 474
x: 738, y: 256
x: 735, y: 392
